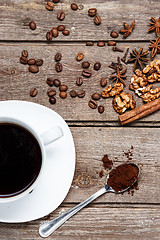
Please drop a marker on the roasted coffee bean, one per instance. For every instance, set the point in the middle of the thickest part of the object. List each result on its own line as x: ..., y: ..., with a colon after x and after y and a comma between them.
x: 23, y: 60
x: 111, y: 43
x: 65, y: 32
x: 56, y: 1
x: 32, y: 25
x: 74, y: 6
x: 61, y: 15
x: 73, y: 93
x: 103, y: 82
x: 92, y: 12
x: 114, y: 34
x: 49, y: 36
x: 100, y: 109
x: 52, y: 100
x: 92, y: 104
x: 33, y: 92
x: 54, y: 32
x: 58, y: 67
x: 56, y: 82
x: 58, y: 57
x: 79, y: 81
x: 24, y: 53
x: 101, y: 44
x: 51, y: 92
x: 97, y: 66
x: 39, y: 62
x: 63, y: 95
x: 86, y: 73
x: 63, y: 88
x: 85, y: 64
x: 97, y: 20
x: 60, y: 28
x: 33, y: 68
x: 49, y: 81
x: 50, y: 6
x: 81, y: 93
x: 89, y: 43
x: 31, y: 61
x: 79, y: 56
x: 96, y: 96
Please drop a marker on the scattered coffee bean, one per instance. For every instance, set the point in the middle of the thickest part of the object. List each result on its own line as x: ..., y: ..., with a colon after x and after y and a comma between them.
x: 89, y: 43
x: 33, y: 68
x: 74, y: 6
x: 56, y: 1
x: 79, y: 56
x: 61, y: 28
x: 54, y: 32
x: 58, y: 57
x: 58, y: 67
x: 63, y: 95
x: 33, y: 92
x: 79, y: 81
x: 49, y: 81
x: 51, y: 92
x: 73, y: 93
x: 101, y: 44
x: 65, y: 32
x: 50, y: 6
x: 114, y: 34
x: 39, y: 62
x: 97, y: 20
x: 24, y: 53
x: 61, y: 15
x: 92, y: 12
x: 100, y: 109
x: 96, y: 96
x: 103, y: 82
x: 85, y: 64
x: 56, y: 82
x: 92, y: 104
x: 86, y: 73
x: 97, y: 66
x: 49, y: 36
x: 52, y: 100
x: 63, y: 88
x: 111, y: 43
x: 81, y: 93
x: 32, y: 25
x: 23, y: 60
x: 31, y: 61
x: 115, y: 49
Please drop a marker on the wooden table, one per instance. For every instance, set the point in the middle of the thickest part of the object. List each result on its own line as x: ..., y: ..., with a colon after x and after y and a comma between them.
x: 111, y: 216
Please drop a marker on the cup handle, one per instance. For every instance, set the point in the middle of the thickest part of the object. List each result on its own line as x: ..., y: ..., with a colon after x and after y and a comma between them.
x: 51, y: 135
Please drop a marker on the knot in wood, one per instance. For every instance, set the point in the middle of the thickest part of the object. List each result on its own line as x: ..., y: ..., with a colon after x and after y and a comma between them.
x: 84, y: 180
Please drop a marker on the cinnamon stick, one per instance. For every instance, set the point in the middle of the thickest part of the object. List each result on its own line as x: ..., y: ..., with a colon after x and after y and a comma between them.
x: 140, y: 112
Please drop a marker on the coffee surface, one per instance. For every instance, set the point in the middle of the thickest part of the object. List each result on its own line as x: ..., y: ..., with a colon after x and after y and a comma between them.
x: 20, y: 159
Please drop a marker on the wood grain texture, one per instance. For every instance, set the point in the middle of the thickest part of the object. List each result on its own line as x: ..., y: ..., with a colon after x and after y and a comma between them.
x: 15, y: 15
x: 16, y: 81
x: 97, y: 222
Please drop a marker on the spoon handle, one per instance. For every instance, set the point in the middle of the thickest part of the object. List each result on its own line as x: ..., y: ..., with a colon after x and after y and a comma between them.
x: 48, y: 228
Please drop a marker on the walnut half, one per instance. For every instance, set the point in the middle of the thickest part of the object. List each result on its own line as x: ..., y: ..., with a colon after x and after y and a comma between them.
x: 123, y: 102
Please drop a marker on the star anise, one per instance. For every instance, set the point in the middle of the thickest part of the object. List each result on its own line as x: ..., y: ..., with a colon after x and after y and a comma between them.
x: 155, y: 46
x: 116, y: 65
x: 119, y: 76
x: 155, y: 25
x: 139, y: 58
x: 127, y: 29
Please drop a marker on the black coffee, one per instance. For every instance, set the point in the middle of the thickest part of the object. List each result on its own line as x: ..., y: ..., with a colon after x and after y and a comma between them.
x: 20, y: 159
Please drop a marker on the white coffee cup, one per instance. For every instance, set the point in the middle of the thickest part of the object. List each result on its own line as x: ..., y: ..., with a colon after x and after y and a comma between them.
x: 43, y: 140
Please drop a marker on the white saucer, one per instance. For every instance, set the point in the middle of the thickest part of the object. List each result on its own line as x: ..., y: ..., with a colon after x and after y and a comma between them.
x: 54, y: 186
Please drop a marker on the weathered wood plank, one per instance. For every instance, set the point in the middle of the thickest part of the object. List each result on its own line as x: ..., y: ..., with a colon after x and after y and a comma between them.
x: 94, y: 223
x: 16, y: 81
x: 16, y: 14
x: 92, y: 143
